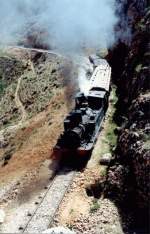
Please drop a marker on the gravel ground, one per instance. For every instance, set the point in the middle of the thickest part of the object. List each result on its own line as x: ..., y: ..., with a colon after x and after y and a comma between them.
x: 105, y: 220
x: 26, y: 198
x: 75, y: 211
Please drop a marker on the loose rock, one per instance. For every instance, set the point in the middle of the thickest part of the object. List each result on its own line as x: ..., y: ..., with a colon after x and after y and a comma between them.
x: 2, y: 216
x: 106, y: 158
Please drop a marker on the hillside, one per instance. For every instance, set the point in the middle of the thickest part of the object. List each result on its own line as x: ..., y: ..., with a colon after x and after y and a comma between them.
x: 33, y: 102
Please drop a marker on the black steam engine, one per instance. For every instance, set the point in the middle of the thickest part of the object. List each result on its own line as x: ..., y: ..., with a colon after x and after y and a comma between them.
x: 82, y: 125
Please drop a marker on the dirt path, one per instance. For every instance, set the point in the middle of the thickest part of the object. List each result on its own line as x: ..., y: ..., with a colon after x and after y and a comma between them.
x: 20, y: 106
x: 19, y: 103
x: 35, y: 50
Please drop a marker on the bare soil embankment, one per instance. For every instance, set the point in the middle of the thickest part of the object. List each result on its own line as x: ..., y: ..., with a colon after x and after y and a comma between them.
x: 33, y: 104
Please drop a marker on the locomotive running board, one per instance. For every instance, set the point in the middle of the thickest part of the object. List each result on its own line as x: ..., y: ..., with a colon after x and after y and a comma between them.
x: 89, y: 146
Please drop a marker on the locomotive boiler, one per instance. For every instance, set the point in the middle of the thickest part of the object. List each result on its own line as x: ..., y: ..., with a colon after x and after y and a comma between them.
x: 82, y: 125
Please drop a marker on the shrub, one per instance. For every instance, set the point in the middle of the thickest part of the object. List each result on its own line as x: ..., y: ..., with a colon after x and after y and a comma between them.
x: 95, y: 206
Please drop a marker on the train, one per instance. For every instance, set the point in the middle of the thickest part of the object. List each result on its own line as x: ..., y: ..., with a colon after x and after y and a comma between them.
x: 83, y: 123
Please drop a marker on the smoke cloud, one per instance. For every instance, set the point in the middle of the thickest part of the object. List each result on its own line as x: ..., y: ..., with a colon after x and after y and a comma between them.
x: 68, y: 25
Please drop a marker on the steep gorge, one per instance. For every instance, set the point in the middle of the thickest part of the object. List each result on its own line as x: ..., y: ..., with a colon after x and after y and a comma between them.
x: 128, y: 174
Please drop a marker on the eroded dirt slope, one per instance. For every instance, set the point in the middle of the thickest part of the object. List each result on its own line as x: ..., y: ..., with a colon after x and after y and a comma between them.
x: 34, y: 92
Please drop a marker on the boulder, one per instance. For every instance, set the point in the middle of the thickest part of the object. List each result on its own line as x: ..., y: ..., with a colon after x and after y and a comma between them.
x: 105, y: 159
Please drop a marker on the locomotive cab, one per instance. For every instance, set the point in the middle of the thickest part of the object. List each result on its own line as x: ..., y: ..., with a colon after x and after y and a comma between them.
x: 96, y: 98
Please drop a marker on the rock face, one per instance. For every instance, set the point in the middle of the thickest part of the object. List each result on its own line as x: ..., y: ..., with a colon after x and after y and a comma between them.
x: 129, y: 172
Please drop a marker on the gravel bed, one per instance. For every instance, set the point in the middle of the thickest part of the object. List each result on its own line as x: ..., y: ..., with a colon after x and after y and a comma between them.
x: 48, y: 207
x: 105, y: 220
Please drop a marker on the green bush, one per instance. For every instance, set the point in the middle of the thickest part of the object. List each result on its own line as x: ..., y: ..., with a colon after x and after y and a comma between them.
x: 95, y: 206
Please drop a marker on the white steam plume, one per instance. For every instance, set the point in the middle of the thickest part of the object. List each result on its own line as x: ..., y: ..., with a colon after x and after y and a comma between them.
x: 69, y: 24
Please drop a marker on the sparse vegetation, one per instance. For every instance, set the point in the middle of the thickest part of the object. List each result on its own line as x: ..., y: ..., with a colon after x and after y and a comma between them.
x: 36, y: 90
x: 70, y: 226
x: 138, y: 68
x: 146, y: 139
x: 110, y: 135
x: 71, y: 211
x: 110, y: 138
x: 4, y: 53
x: 2, y: 87
x: 103, y: 171
x: 95, y: 206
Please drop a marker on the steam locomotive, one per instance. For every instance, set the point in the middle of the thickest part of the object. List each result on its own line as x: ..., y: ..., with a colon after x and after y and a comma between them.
x: 82, y: 125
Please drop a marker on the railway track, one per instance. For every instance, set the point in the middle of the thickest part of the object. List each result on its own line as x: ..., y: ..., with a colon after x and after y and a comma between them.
x: 45, y: 212
x: 36, y: 216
